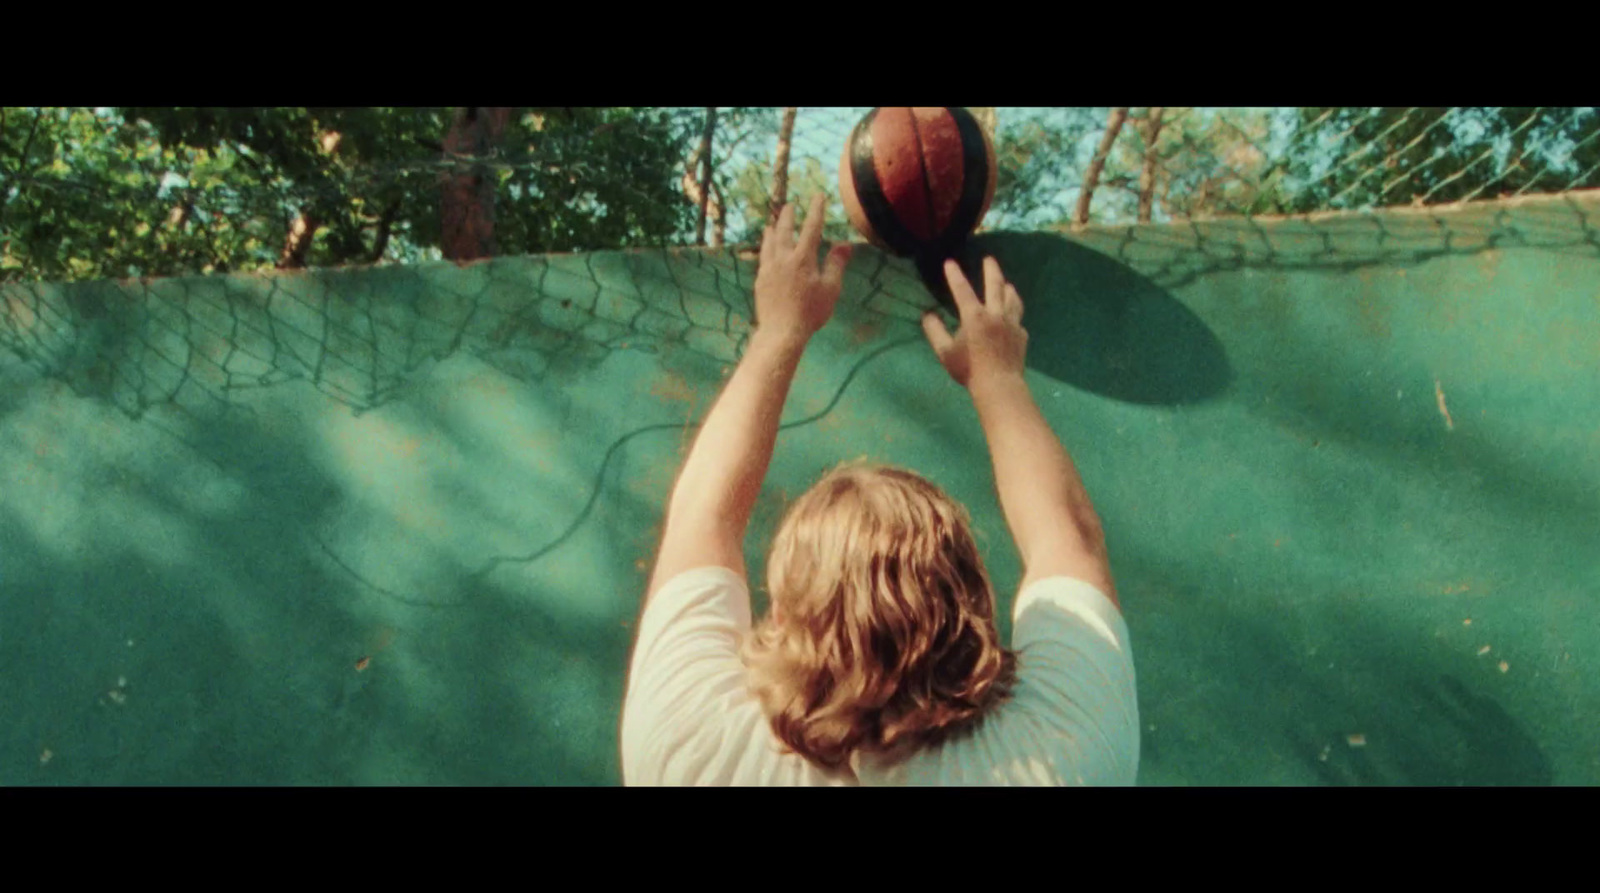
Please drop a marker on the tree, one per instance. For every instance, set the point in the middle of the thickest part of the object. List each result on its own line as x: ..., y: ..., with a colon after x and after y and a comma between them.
x: 103, y: 193
x: 586, y: 179
x: 1041, y: 157
x: 309, y: 170
x: 1091, y: 177
x: 107, y: 193
x: 1370, y: 157
x: 1191, y: 163
x: 466, y: 206
x: 564, y: 179
x: 751, y: 194
x: 86, y: 197
x: 779, y: 195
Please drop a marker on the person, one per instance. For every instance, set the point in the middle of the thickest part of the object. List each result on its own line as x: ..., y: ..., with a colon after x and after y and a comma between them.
x: 879, y: 662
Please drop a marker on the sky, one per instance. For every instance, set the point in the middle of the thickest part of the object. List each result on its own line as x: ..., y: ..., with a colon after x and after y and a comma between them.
x: 821, y: 133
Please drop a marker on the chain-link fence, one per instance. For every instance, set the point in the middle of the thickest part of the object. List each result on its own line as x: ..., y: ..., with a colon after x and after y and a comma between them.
x: 111, y: 193
x: 1063, y: 166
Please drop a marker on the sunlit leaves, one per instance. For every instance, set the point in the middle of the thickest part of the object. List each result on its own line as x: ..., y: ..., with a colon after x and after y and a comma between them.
x: 1368, y: 157
x: 91, y: 193
x: 87, y: 193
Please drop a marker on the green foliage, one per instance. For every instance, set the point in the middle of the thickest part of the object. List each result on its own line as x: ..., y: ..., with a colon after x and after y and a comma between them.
x: 745, y: 178
x: 750, y: 200
x: 585, y: 179
x: 1040, y: 159
x: 110, y: 193
x: 1364, y: 157
x: 751, y: 195
x: 167, y: 191
x: 81, y: 197
x: 1209, y: 163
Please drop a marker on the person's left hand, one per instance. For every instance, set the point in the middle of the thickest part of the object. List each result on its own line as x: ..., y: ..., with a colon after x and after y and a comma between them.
x: 794, y: 298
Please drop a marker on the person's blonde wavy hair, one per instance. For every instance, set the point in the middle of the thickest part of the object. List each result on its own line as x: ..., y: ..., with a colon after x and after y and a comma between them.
x: 882, y: 637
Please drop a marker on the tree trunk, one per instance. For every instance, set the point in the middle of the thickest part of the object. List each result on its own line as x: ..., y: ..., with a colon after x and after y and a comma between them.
x: 709, y: 200
x: 467, y: 199
x: 178, y: 217
x: 1091, y: 177
x: 304, y: 228
x: 1147, y: 177
x: 301, y: 232
x: 780, y: 167
x: 178, y: 221
x: 719, y: 225
x: 380, y: 241
x: 705, y: 173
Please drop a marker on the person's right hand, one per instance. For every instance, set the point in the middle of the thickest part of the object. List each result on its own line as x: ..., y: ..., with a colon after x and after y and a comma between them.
x: 991, y: 339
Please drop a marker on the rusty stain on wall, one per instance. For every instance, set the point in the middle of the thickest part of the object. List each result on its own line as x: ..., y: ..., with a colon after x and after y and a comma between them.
x: 647, y: 542
x: 1489, y: 264
x: 671, y: 387
x: 865, y: 330
x: 541, y: 447
x: 1373, y: 311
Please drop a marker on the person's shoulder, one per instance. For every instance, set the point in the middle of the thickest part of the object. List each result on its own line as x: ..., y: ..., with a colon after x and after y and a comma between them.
x: 1057, y: 606
x: 701, y: 582
x: 705, y: 594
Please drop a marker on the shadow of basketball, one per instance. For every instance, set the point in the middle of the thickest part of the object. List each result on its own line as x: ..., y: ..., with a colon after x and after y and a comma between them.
x: 1099, y: 326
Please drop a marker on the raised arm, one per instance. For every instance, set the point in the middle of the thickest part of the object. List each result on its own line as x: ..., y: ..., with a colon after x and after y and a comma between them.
x: 1055, y: 526
x: 716, y: 490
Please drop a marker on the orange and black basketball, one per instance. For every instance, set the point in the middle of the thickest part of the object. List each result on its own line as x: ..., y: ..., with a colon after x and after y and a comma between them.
x: 917, y: 182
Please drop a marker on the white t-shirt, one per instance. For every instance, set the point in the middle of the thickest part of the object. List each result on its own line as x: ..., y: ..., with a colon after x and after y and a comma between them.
x: 689, y: 719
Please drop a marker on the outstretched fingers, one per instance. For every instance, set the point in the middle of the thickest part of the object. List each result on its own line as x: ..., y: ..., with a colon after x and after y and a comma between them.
x: 780, y: 235
x: 811, y: 233
x: 1013, y: 304
x: 939, y: 337
x: 994, y: 287
x: 966, y: 299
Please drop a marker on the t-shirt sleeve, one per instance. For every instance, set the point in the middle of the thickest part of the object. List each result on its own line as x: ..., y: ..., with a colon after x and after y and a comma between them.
x: 685, y: 669
x: 1075, y: 680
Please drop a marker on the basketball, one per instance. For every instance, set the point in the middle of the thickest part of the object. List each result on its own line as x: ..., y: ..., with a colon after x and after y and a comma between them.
x: 917, y: 181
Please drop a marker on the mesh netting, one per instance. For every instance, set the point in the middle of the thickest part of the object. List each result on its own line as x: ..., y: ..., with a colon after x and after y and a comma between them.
x: 121, y: 199
x: 359, y: 334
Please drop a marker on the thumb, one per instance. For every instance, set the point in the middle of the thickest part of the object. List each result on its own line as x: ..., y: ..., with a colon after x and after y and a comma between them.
x: 938, y: 336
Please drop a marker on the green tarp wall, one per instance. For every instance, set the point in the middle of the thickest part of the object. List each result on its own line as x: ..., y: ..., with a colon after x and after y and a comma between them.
x: 1349, y: 468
